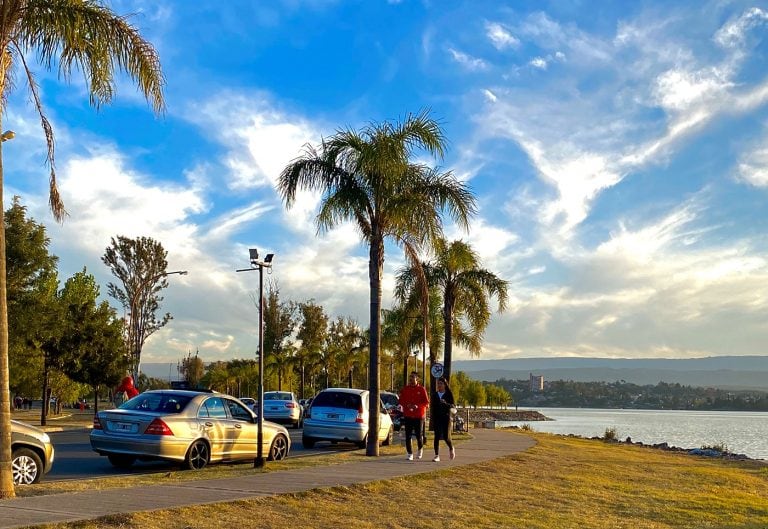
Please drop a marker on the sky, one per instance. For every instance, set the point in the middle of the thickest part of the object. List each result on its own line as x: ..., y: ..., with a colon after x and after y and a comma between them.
x: 618, y: 152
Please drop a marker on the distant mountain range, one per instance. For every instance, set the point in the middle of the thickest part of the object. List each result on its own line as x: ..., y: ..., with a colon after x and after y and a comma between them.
x: 724, y: 372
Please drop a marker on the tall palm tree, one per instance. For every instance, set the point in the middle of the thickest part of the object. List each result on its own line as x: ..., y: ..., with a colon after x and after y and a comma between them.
x: 74, y: 34
x: 465, y: 289
x: 367, y: 177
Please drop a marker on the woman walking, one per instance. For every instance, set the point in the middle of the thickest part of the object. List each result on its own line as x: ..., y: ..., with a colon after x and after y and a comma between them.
x: 444, y: 413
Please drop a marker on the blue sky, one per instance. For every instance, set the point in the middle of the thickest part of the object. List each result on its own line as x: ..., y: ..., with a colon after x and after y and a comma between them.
x: 618, y: 152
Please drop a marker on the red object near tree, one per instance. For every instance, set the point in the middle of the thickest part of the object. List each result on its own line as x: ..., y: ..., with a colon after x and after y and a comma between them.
x: 127, y: 386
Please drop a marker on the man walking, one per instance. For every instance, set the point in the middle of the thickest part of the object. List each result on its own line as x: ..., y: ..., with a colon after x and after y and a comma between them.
x: 414, y: 401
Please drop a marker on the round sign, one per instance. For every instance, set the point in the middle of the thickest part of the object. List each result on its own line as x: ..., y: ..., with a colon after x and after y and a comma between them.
x: 436, y: 370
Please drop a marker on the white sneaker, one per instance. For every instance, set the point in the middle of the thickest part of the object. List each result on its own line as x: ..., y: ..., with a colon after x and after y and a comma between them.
x: 453, y: 453
x: 419, y: 453
x: 410, y: 457
x: 436, y: 459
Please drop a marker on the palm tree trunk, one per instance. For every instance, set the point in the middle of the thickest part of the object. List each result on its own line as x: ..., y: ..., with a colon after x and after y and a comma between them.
x: 6, y: 472
x: 375, y: 270
x: 448, y: 346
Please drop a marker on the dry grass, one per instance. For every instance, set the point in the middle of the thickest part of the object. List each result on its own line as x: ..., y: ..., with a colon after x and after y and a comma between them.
x: 562, y: 483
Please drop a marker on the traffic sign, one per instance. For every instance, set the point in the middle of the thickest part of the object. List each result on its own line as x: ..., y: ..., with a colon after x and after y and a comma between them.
x: 436, y: 370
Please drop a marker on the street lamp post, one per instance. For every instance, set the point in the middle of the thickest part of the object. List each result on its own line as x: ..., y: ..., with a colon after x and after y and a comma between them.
x: 135, y: 339
x: 256, y: 264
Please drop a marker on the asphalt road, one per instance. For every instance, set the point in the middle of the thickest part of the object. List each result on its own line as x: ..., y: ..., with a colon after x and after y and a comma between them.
x: 75, y: 459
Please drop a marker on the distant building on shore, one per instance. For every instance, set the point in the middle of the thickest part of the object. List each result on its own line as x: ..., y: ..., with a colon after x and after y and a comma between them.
x: 537, y: 382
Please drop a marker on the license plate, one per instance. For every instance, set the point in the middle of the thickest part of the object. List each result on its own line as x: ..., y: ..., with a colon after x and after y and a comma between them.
x: 274, y: 408
x: 332, y: 416
x: 124, y: 427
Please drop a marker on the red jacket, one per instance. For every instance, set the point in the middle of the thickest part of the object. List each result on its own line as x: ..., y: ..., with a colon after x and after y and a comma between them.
x: 127, y: 386
x: 414, y: 400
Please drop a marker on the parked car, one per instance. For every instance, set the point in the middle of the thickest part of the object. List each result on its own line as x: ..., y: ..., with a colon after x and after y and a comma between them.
x: 283, y: 407
x: 248, y: 401
x: 392, y: 404
x: 190, y: 427
x: 341, y: 414
x: 31, y: 453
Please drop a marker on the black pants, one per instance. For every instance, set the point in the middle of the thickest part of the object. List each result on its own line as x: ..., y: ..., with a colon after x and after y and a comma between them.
x: 413, y: 427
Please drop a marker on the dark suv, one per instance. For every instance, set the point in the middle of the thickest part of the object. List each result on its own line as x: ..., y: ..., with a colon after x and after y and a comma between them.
x: 32, y: 453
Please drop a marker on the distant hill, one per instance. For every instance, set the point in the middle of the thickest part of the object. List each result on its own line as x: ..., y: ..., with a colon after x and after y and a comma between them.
x: 162, y: 370
x: 724, y: 372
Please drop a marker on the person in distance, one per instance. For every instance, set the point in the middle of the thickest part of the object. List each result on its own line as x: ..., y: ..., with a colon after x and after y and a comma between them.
x: 445, y: 409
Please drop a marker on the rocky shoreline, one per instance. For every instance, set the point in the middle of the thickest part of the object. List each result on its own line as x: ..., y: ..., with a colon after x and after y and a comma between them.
x: 480, y: 415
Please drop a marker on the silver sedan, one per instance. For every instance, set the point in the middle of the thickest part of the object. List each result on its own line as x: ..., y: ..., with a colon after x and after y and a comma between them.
x: 191, y: 427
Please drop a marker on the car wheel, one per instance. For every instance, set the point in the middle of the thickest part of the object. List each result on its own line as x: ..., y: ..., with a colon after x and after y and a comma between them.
x: 364, y: 442
x: 279, y: 449
x: 390, y: 436
x: 27, y: 467
x: 121, y: 460
x: 198, y: 456
x: 307, y: 442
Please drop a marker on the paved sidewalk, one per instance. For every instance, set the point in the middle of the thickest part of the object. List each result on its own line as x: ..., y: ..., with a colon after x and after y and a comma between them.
x: 486, y: 444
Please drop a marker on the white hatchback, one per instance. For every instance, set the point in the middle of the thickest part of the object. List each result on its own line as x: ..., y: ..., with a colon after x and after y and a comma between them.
x: 341, y: 414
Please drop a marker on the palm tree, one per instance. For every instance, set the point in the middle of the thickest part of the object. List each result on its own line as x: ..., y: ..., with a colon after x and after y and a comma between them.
x: 465, y: 289
x: 76, y: 34
x: 367, y: 177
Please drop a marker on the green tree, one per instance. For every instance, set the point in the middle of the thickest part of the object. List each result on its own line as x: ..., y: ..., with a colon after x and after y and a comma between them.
x: 312, y: 333
x: 140, y: 264
x: 474, y: 393
x: 466, y: 291
x: 401, y: 335
x: 29, y: 268
x: 369, y: 178
x: 75, y: 34
x: 92, y: 336
x: 279, y: 324
x: 192, y: 369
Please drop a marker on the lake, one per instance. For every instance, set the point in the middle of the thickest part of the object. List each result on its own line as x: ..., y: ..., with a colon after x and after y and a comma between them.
x: 741, y: 432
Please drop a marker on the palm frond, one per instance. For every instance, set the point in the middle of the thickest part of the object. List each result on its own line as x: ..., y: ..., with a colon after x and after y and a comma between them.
x: 84, y: 35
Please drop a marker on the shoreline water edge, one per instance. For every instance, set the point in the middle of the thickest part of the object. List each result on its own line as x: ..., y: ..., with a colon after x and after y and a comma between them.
x: 482, y: 418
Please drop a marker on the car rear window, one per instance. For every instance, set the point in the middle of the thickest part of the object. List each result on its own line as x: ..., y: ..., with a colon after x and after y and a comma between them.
x: 157, y: 402
x: 337, y: 399
x: 389, y: 399
x: 277, y: 396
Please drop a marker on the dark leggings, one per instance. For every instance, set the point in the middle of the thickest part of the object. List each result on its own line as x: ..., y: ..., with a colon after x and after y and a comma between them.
x: 443, y: 431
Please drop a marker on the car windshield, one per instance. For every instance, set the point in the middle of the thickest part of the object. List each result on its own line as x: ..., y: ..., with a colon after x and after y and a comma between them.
x: 277, y: 396
x: 157, y: 402
x: 337, y: 399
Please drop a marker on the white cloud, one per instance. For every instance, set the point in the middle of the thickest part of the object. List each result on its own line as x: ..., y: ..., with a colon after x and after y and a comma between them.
x: 500, y: 36
x: 261, y: 139
x: 753, y: 165
x: 467, y: 61
x: 733, y: 33
x: 490, y: 96
x: 539, y: 62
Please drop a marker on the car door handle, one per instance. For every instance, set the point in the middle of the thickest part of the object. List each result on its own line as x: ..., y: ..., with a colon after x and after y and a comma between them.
x: 238, y: 426
x: 208, y: 424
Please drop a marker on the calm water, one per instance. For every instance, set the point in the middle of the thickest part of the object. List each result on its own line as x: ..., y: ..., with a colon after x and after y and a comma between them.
x: 742, y: 432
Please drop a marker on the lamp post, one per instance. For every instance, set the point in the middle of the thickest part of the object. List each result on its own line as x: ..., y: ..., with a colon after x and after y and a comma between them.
x: 256, y: 264
x: 135, y: 339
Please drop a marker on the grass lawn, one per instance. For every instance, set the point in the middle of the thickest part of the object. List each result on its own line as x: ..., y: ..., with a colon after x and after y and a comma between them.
x: 560, y: 483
